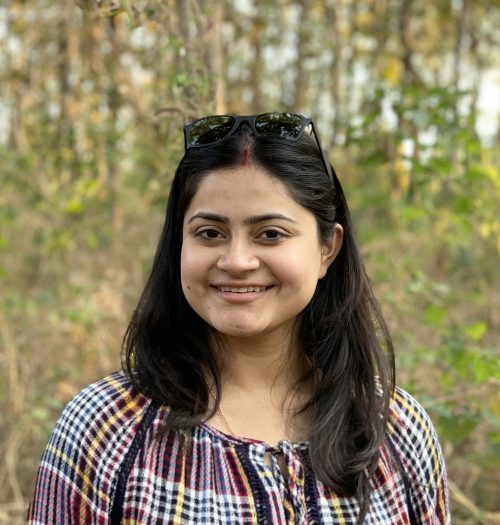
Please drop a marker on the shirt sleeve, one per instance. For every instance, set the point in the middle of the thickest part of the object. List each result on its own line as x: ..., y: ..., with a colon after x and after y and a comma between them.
x: 416, y: 442
x: 77, y: 474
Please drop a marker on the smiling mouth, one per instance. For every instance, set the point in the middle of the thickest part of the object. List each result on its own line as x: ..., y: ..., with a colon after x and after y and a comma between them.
x: 242, y: 289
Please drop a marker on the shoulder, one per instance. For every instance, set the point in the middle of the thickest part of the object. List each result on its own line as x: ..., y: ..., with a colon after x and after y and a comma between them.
x: 98, y: 419
x: 104, y: 407
x: 413, y: 450
x: 413, y: 435
x: 85, y: 450
x: 406, y: 415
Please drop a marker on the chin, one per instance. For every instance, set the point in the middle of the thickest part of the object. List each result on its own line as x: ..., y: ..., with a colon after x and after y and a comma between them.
x: 237, y: 329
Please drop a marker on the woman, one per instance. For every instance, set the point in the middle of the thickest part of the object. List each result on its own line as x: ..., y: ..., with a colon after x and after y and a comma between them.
x: 258, y: 382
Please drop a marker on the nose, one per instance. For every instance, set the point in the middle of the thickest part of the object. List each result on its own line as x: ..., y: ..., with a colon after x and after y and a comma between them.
x: 238, y: 257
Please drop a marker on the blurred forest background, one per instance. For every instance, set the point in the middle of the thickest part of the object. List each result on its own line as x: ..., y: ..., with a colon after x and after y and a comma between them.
x: 93, y: 96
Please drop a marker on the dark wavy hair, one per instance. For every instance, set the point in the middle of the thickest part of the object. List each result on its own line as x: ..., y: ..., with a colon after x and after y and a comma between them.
x: 167, y: 352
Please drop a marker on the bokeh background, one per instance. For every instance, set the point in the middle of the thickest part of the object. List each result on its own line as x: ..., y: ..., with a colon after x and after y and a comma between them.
x: 93, y: 95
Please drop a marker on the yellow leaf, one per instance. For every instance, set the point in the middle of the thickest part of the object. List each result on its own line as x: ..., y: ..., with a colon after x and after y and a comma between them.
x: 494, y: 403
x: 74, y: 206
x: 393, y: 71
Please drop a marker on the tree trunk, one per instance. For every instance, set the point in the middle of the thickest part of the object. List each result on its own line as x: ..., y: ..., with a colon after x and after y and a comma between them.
x: 215, y: 59
x: 299, y: 97
x: 457, y: 54
x: 255, y: 78
x: 333, y: 23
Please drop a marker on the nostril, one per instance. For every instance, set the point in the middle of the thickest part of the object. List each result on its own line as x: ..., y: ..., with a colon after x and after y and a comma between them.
x: 238, y: 261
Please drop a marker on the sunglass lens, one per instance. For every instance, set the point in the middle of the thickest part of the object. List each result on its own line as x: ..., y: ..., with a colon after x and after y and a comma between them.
x: 285, y: 125
x: 210, y: 129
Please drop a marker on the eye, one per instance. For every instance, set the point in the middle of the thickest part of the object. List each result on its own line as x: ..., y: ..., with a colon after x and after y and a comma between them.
x: 272, y: 235
x: 208, y: 234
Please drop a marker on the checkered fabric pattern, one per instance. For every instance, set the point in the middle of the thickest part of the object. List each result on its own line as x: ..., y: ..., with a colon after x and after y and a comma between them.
x: 206, y: 477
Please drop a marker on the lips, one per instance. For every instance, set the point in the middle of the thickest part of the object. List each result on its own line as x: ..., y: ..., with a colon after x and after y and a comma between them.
x: 241, y: 289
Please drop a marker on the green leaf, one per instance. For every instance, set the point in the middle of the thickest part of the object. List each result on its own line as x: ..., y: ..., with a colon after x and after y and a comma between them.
x: 74, y: 206
x: 464, y: 204
x: 435, y: 315
x: 483, y: 369
x: 476, y: 331
x: 457, y: 428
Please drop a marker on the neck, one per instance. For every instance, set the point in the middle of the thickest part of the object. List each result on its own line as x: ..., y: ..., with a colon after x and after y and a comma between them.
x: 259, y: 394
x: 260, y: 365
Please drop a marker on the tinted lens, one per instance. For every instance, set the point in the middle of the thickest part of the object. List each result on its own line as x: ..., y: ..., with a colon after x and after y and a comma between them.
x: 209, y: 130
x: 285, y: 125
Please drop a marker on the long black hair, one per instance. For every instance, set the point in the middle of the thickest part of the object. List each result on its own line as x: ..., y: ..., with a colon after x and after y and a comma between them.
x: 342, y: 332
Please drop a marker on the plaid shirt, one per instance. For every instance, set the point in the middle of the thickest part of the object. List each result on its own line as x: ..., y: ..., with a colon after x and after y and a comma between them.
x: 205, y: 476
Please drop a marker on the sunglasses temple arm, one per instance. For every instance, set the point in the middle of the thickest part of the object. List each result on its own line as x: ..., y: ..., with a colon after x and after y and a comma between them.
x: 322, y: 151
x: 186, y: 143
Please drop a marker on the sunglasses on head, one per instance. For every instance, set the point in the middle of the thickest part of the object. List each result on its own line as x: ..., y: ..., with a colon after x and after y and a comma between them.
x: 210, y: 130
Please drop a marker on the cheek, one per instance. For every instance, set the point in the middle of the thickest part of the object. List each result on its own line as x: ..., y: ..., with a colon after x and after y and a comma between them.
x: 196, y: 265
x: 300, y: 275
x: 191, y: 268
x: 301, y: 266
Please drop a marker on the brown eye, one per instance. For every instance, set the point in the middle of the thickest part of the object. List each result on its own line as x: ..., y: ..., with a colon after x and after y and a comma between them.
x: 272, y: 235
x: 209, y: 233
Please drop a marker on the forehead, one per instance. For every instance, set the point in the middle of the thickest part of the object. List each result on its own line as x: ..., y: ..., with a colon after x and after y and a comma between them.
x: 241, y: 191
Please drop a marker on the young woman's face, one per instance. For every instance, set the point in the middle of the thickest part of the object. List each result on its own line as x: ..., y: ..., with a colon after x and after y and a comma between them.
x: 251, y: 257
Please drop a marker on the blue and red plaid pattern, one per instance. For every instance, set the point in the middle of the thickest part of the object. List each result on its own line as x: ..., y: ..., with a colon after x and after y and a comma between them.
x: 203, y: 476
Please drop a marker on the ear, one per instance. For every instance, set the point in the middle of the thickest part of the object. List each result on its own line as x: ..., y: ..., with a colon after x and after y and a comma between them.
x: 330, y: 250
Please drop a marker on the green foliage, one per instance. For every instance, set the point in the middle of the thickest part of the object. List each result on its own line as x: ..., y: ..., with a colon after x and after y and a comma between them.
x: 94, y: 98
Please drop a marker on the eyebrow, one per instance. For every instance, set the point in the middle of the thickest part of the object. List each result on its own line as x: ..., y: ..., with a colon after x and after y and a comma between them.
x: 254, y: 219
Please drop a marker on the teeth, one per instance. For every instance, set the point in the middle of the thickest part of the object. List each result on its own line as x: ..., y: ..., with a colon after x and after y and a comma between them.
x: 241, y: 290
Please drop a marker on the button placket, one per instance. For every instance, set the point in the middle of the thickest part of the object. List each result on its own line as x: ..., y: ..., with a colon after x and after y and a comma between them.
x: 296, y: 482
x: 277, y: 473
